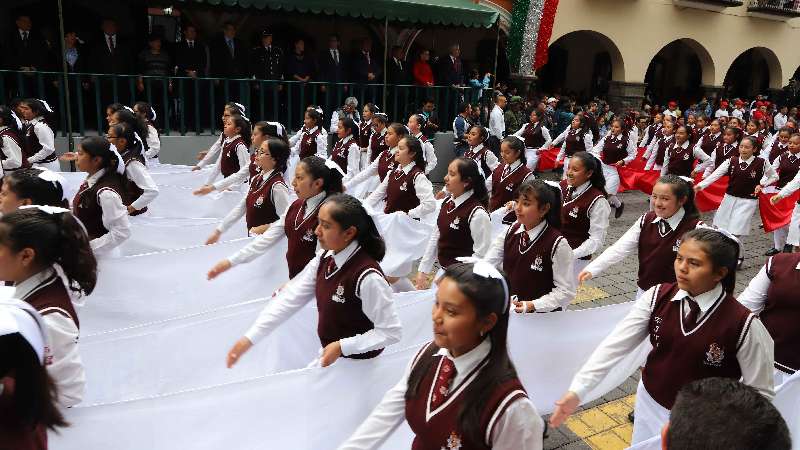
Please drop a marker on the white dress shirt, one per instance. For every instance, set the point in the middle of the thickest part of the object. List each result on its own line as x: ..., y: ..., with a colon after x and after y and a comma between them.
x: 234, y: 179
x: 697, y: 153
x: 709, y: 164
x: 353, y: 153
x: 46, y: 139
x: 373, y: 290
x: 114, y: 218
x: 770, y: 176
x: 369, y: 171
x: 630, y: 148
x: 491, y: 160
x: 263, y: 242
x: 564, y: 280
x: 755, y: 356
x: 62, y: 355
x: 480, y: 229
x: 700, y: 141
x: 422, y: 188
x: 519, y: 428
x: 588, y: 142
x: 212, y: 154
x: 598, y: 223
x: 429, y: 153
x: 279, y: 196
x: 153, y: 142
x: 321, y: 140
x: 652, y: 151
x: 545, y: 135
x: 137, y: 172
x: 12, y: 152
x: 497, y: 124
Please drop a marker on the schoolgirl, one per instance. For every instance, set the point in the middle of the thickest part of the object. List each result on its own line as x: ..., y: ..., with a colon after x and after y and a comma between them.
x: 478, y: 152
x: 787, y: 163
x: 536, y: 137
x: 652, y: 131
x: 365, y: 126
x: 697, y: 330
x: 31, y: 187
x: 655, y: 236
x: 576, y: 138
x: 778, y: 146
x: 46, y: 254
x: 507, y: 177
x: 405, y: 189
x: 752, y: 130
x: 11, y: 155
x: 463, y: 228
x: 615, y: 149
x: 152, y: 141
x: 655, y: 153
x: 384, y: 163
x: 111, y: 109
x: 584, y: 208
x: 461, y: 390
x: 311, y: 140
x: 416, y: 123
x: 99, y: 202
x: 141, y: 188
x: 725, y: 149
x: 533, y: 254
x: 314, y: 180
x: 681, y: 155
x: 209, y: 156
x: 377, y: 140
x: 709, y: 137
x: 39, y: 141
x: 234, y: 159
x: 357, y: 316
x: 346, y: 152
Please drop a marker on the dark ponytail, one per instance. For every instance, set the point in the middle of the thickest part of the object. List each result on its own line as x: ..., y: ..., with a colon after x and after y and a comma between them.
x: 399, y: 129
x: 314, y: 115
x: 27, y: 184
x: 39, y: 110
x: 245, y: 131
x: 133, y: 121
x: 544, y: 194
x: 133, y: 146
x: 331, y: 178
x: 415, y: 146
x: 682, y: 189
x: 146, y: 110
x: 280, y: 153
x: 348, y: 212
x: 99, y: 146
x: 590, y: 162
x: 722, y: 250
x: 472, y: 175
x: 270, y: 130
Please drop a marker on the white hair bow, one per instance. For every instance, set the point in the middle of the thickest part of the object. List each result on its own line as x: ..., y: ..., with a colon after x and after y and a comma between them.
x: 120, y: 163
x: 329, y: 163
x: 241, y: 107
x: 686, y: 179
x: 483, y: 269
x: 46, y: 105
x: 153, y: 111
x: 16, y: 119
x: 46, y: 208
x: 129, y: 109
x: 56, y: 179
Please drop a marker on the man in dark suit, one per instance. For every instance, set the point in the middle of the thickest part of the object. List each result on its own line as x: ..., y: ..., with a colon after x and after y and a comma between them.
x: 228, y: 60
x: 266, y: 63
x: 191, y: 60
x: 25, y: 50
x: 398, y: 70
x: 331, y: 68
x: 451, y: 70
x: 366, y: 66
x: 112, y: 55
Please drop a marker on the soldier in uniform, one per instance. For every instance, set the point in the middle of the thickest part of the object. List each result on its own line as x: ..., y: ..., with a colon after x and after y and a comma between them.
x: 266, y: 63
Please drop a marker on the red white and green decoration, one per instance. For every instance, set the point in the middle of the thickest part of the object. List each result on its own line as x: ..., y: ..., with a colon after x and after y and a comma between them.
x: 531, y: 28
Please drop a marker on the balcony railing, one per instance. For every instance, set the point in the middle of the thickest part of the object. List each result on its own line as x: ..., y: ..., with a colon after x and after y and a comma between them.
x: 787, y: 8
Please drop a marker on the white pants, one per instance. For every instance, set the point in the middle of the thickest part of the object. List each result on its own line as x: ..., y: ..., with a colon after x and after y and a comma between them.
x: 649, y: 416
x: 779, y: 237
x: 794, y: 228
x: 55, y: 166
x: 532, y: 156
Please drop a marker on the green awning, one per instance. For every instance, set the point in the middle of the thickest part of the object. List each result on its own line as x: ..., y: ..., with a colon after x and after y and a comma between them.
x: 466, y: 13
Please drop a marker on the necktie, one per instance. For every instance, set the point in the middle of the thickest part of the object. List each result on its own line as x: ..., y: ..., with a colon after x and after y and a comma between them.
x: 110, y: 44
x: 451, y: 205
x: 792, y: 159
x: 663, y: 227
x: 230, y: 47
x: 368, y: 60
x: 191, y: 44
x: 330, y: 267
x: 524, y: 240
x: 336, y: 56
x: 25, y: 37
x: 570, y: 190
x: 694, y: 312
x: 743, y: 166
x: 303, y: 211
x: 441, y: 387
x: 399, y: 64
x: 506, y: 171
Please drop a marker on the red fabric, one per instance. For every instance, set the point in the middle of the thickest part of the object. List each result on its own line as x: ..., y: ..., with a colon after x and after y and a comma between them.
x: 547, y: 159
x: 709, y: 198
x: 776, y: 216
x: 545, y: 32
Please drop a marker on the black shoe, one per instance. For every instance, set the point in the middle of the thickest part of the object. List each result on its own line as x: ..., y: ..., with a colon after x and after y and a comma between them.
x: 772, y: 251
x: 619, y: 209
x: 630, y: 416
x: 788, y: 248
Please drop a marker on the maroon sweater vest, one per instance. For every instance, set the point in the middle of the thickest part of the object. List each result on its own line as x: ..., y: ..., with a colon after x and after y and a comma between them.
x: 615, y: 149
x: 724, y: 151
x: 302, y: 245
x: 455, y: 238
x: 132, y: 189
x: 229, y: 164
x: 575, y: 215
x: 573, y: 143
x: 400, y: 192
x: 364, y: 133
x: 442, y: 430
x: 51, y: 297
x: 532, y: 135
x: 13, y: 136
x: 377, y: 144
x: 788, y: 168
x: 32, y: 144
x: 505, y: 185
x: 478, y: 154
x: 652, y: 131
x: 308, y: 144
x: 86, y: 206
x: 781, y: 313
x: 340, y: 151
x: 681, y: 160
x: 707, y: 351
x: 530, y: 269
x: 252, y: 169
x: 260, y: 208
x: 386, y: 164
x: 338, y: 302
x: 776, y: 150
x: 742, y: 183
x: 708, y: 144
x: 663, y: 143
x: 656, y: 252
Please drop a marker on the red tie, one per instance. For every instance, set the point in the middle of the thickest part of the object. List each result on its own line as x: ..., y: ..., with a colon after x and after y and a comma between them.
x: 694, y: 312
x: 303, y: 211
x: 523, y: 239
x: 331, y: 266
x: 506, y: 171
x: 450, y: 205
x: 569, y: 192
x: 441, y: 387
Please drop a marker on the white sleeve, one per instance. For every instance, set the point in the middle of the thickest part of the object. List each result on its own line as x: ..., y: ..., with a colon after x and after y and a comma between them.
x: 651, y: 153
x: 646, y: 134
x: 561, y: 137
x: 480, y: 228
x: 47, y: 140
x: 260, y: 244
x: 235, y: 214
x: 295, y: 138
x: 588, y: 141
x: 63, y: 358
x: 756, y: 358
x: 598, y: 149
x: 700, y: 155
x: 619, y: 250
x: 212, y: 153
x: 424, y: 191
x: 496, y: 252
x: 215, y: 171
x: 708, y: 162
x: 491, y: 160
x: 665, y: 166
x: 293, y: 296
x: 136, y: 172
x: 632, y: 150
x: 520, y: 427
x: 564, y: 280
x: 697, y: 145
x: 547, y: 139
x: 791, y: 187
x: 770, y: 176
x: 754, y: 296
x: 370, y: 170
x: 519, y: 132
x: 280, y: 198
x: 428, y: 258
x: 153, y: 143
x: 375, y: 197
x: 322, y: 145
x: 721, y: 170
x: 334, y: 122
x: 115, y: 220
x: 353, y: 161
x: 241, y: 175
x: 13, y: 154
x: 598, y: 225
x: 377, y: 303
x: 430, y: 157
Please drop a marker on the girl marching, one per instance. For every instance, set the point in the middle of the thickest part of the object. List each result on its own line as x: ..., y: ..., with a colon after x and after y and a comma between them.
x: 416, y: 123
x: 312, y: 139
x: 39, y: 139
x: 346, y: 152
x: 536, y: 137
x: 208, y: 157
x: 234, y: 159
x: 141, y: 188
x: 709, y: 137
x: 786, y: 163
x: 152, y: 142
x: 615, y: 149
x: 576, y: 138
x: 508, y: 176
x: 478, y: 152
x: 726, y: 149
x: 681, y: 155
x: 384, y: 162
x: 657, y: 150
x: 11, y: 155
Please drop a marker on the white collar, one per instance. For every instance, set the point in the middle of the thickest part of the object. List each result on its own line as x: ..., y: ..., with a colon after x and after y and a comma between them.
x: 346, y: 139
x: 684, y: 146
x: 3, y: 128
x: 513, y: 166
x: 418, y: 135
x: 228, y: 140
x: 266, y: 175
x: 748, y: 160
x: 714, y: 135
x: 24, y: 288
x: 313, y: 202
x: 578, y: 190
x: 673, y: 221
x: 311, y: 131
x: 705, y: 300
x: 393, y: 150
x: 344, y: 255
x: 92, y: 179
x: 533, y: 232
x: 497, y: 108
x: 407, y: 168
x: 467, y: 362
x: 476, y: 149
x: 462, y: 198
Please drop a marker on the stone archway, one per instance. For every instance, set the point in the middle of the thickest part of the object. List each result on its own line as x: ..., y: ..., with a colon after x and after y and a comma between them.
x: 754, y: 71
x: 679, y: 71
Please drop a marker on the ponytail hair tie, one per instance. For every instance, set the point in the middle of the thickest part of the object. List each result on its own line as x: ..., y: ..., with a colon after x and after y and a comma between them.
x: 129, y: 109
x: 52, y: 177
x: 241, y: 107
x: 483, y: 269
x: 153, y: 112
x: 137, y: 137
x: 46, y: 105
x: 120, y: 165
x: 330, y: 164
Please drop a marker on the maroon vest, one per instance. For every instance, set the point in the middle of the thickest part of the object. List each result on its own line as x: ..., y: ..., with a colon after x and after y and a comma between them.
x: 51, y: 297
x: 302, y: 245
x: 656, y: 252
x: 681, y: 160
x: 707, y: 144
x: 132, y: 189
x: 13, y: 136
x: 32, y: 145
x: 377, y: 145
x: 742, y: 183
x: 455, y: 237
x: 364, y: 133
x: 252, y: 169
x: 707, y: 351
x: 661, y: 148
x: 782, y: 310
x: 260, y: 208
x: 575, y: 215
x: 788, y: 168
x: 776, y: 150
x: 229, y: 162
x: 532, y: 135
x: 573, y: 143
x: 86, y: 206
x: 13, y: 433
x: 478, y: 154
x: 530, y: 269
x: 340, y: 151
x: 615, y: 150
x: 308, y: 144
x: 400, y: 192
x: 442, y: 430
x: 505, y: 185
x: 653, y: 130
x: 724, y: 151
x: 386, y: 163
x: 338, y: 303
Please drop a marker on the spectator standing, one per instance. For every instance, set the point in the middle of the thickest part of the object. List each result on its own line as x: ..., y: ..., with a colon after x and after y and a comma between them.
x: 423, y: 74
x: 460, y: 126
x: 512, y: 117
x: 366, y: 67
x: 154, y: 62
x: 332, y: 63
x: 780, y: 119
x: 497, y: 125
x: 432, y: 124
x: 191, y: 60
x: 591, y: 121
x: 266, y: 63
x: 451, y: 71
x: 25, y: 51
x: 299, y: 67
x: 398, y: 69
x: 77, y: 60
x: 112, y: 55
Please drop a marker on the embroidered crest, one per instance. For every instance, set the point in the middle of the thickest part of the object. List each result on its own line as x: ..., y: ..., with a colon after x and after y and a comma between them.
x: 510, y: 187
x: 537, y: 264
x: 685, y: 156
x: 338, y: 297
x: 309, y: 236
x: 259, y: 201
x: 714, y: 355
x: 456, y: 223
x: 753, y: 174
x: 404, y: 186
x: 453, y: 442
x: 677, y: 245
x: 391, y: 166
x: 574, y: 213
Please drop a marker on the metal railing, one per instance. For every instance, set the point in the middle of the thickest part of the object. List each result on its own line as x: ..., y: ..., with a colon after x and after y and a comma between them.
x: 780, y: 7
x: 194, y: 105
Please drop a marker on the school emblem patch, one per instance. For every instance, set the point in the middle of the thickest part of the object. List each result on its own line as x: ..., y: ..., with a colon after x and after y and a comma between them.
x: 456, y: 223
x: 453, y: 442
x: 714, y: 355
x: 338, y: 297
x: 677, y: 245
x: 537, y: 264
x: 404, y: 186
x: 574, y: 213
x: 309, y: 236
x: 753, y: 174
x: 259, y: 201
x: 685, y: 156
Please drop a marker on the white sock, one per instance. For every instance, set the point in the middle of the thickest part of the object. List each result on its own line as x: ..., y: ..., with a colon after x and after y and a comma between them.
x: 779, y: 237
x: 402, y: 285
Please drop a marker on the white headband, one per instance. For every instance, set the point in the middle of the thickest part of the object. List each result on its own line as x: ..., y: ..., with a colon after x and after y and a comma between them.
x: 153, y: 111
x: 241, y: 107
x: 17, y: 316
x: 129, y: 109
x: 329, y: 163
x: 120, y: 163
x: 483, y: 269
x: 46, y: 208
x: 16, y: 119
x: 56, y: 179
x: 686, y: 179
x: 46, y: 105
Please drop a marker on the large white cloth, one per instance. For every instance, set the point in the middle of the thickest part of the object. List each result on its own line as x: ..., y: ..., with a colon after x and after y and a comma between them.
x: 154, y: 234
x: 406, y: 240
x: 787, y: 400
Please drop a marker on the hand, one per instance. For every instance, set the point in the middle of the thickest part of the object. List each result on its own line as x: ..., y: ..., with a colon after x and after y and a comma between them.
x: 204, y: 190
x: 261, y: 229
x: 239, y: 348
x: 521, y: 306
x: 697, y: 189
x: 421, y: 282
x: 196, y: 168
x: 564, y: 408
x: 214, y: 238
x: 584, y: 276
x: 775, y: 199
x: 758, y: 190
x: 220, y: 267
x: 511, y: 205
x: 440, y: 195
x: 131, y: 209
x: 68, y: 156
x: 201, y: 155
x: 620, y: 163
x: 330, y: 354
